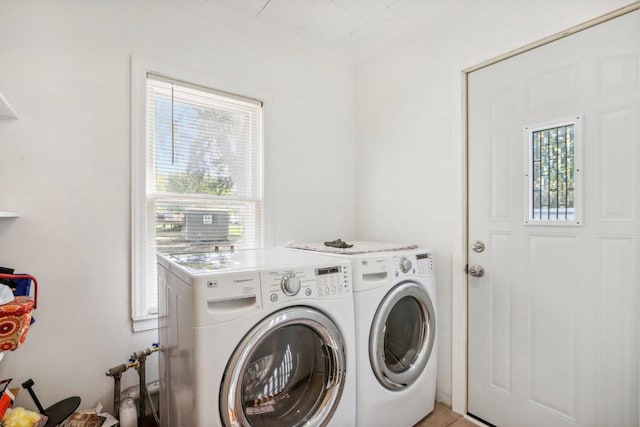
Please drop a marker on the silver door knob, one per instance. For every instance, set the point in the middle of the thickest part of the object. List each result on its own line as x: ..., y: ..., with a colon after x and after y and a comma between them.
x: 477, y: 246
x: 476, y: 271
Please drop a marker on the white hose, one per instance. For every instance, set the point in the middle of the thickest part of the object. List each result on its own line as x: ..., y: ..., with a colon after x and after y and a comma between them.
x: 154, y: 411
x: 128, y: 413
x: 128, y: 409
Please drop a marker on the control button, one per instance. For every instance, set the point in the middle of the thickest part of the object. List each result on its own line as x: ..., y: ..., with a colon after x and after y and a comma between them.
x: 320, y: 291
x: 308, y: 292
x: 327, y: 290
x: 340, y: 288
x: 290, y: 284
x: 397, y: 274
x: 405, y: 264
x: 273, y: 297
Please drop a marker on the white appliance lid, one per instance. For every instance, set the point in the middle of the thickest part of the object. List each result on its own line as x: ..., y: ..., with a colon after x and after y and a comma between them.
x: 197, y: 263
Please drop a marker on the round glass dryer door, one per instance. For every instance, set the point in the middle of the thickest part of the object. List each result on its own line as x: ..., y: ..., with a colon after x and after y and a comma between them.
x: 288, y: 371
x: 402, y: 335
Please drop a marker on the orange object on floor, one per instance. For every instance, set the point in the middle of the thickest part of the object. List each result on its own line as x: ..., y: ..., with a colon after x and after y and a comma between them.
x: 6, y: 402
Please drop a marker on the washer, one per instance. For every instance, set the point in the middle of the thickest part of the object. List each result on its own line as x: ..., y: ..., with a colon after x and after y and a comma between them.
x: 256, y: 338
x: 396, y: 345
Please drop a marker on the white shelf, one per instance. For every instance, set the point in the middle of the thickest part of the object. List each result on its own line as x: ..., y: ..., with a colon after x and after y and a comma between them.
x: 8, y: 214
x: 6, y: 110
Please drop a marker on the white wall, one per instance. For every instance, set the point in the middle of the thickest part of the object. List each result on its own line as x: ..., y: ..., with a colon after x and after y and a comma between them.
x: 409, y: 131
x: 65, y: 164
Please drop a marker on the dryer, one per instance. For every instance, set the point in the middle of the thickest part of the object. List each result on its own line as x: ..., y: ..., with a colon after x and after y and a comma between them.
x: 256, y: 338
x: 396, y: 334
x: 396, y: 337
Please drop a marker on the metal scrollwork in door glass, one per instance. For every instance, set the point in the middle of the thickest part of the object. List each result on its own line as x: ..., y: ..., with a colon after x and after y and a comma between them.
x: 552, y: 173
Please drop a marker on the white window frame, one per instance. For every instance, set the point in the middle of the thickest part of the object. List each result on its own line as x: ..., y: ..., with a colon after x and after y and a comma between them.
x: 142, y: 318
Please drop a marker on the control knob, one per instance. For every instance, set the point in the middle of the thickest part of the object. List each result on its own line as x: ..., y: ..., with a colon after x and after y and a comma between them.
x: 405, y: 265
x: 290, y: 284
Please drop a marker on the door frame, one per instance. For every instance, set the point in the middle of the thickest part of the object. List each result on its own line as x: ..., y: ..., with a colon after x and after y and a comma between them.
x: 459, y: 296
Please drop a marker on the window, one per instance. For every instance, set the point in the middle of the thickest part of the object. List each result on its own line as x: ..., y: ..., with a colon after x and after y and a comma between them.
x: 202, y: 174
x: 552, y: 178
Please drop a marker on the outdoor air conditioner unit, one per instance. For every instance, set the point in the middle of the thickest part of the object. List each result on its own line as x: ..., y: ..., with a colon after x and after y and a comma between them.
x: 207, y: 226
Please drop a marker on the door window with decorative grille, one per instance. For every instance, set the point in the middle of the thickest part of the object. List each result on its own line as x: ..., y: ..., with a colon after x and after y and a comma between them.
x: 553, y: 173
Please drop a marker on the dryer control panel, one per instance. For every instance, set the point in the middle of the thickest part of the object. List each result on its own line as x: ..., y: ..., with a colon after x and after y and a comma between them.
x: 326, y: 282
x: 420, y: 263
x: 424, y: 263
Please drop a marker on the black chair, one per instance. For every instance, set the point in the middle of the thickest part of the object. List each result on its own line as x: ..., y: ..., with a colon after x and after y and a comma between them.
x: 56, y: 413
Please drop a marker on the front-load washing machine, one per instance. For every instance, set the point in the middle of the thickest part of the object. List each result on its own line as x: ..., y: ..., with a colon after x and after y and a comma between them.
x: 256, y: 338
x: 395, y: 309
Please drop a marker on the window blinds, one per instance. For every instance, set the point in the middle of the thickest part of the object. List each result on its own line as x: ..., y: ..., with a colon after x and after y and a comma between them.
x: 203, y: 169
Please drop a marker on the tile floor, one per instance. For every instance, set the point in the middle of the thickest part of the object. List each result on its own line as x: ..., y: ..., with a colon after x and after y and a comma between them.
x: 444, y: 417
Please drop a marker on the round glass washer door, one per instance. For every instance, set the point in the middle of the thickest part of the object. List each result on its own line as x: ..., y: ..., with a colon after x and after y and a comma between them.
x: 288, y: 370
x: 402, y: 335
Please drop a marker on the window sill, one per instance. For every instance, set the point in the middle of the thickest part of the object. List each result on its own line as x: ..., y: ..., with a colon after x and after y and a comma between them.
x: 146, y: 323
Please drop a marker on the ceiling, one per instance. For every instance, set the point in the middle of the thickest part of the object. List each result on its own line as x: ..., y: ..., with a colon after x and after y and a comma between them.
x: 355, y: 29
x: 345, y: 24
x: 347, y: 28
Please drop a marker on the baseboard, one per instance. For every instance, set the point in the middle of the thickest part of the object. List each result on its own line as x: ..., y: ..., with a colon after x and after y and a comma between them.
x: 443, y: 397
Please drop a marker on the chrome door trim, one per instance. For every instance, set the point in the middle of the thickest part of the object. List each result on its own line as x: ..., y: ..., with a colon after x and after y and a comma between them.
x: 230, y: 398
x: 386, y: 377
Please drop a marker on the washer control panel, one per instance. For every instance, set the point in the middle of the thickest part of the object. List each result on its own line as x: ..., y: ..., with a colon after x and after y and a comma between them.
x: 330, y: 282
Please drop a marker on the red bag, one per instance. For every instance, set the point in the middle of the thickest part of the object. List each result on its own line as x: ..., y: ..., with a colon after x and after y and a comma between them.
x: 15, y: 316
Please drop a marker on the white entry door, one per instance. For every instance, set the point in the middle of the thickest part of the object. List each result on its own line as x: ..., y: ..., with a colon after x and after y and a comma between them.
x: 554, y: 198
